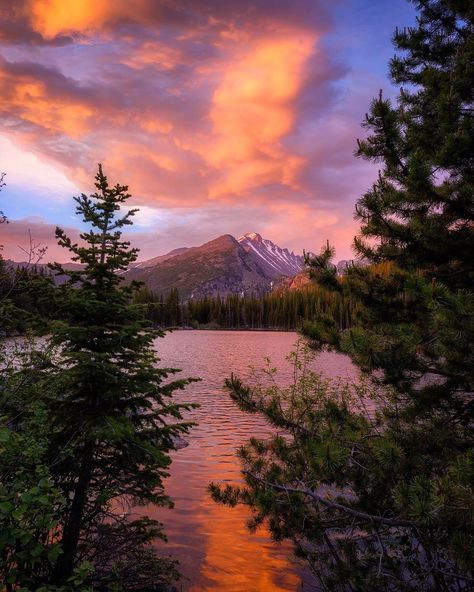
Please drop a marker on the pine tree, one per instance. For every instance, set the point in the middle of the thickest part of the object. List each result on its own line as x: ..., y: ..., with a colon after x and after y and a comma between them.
x: 417, y: 219
x: 30, y: 505
x: 114, y: 417
x: 384, y: 501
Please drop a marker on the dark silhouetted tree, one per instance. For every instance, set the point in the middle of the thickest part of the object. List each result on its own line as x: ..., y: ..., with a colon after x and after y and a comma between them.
x: 383, y: 499
x: 116, y: 420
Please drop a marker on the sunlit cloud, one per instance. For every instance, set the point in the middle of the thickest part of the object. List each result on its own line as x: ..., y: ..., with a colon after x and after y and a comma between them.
x: 252, y: 110
x: 202, y: 108
x: 24, y: 240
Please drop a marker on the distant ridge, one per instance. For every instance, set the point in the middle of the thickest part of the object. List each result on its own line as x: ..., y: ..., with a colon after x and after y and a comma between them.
x: 216, y: 268
x: 225, y: 265
x: 159, y: 258
x: 248, y: 265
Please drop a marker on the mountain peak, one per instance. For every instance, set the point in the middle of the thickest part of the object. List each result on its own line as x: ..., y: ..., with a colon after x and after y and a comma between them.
x: 274, y: 260
x: 221, y: 266
x: 254, y: 236
x: 224, y: 239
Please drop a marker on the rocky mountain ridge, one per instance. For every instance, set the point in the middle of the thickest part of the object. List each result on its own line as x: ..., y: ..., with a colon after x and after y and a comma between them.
x: 272, y: 258
x: 217, y: 268
x: 225, y: 265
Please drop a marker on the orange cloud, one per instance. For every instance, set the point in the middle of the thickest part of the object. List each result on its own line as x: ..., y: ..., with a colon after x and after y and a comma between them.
x: 154, y: 53
x: 40, y: 97
x: 236, y: 148
x: 207, y: 105
x: 55, y: 17
x: 252, y: 111
x: 60, y: 116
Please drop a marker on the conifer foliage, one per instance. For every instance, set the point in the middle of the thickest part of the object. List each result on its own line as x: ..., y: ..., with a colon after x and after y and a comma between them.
x: 115, y: 417
x: 284, y: 309
x: 376, y: 485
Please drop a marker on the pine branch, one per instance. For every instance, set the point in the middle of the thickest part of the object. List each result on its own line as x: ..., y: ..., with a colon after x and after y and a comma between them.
x: 393, y: 522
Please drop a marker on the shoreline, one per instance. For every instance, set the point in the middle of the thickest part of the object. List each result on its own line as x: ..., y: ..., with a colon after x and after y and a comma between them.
x: 244, y: 329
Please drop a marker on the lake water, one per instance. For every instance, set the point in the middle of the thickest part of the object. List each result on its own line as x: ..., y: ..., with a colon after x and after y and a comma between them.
x: 215, y: 550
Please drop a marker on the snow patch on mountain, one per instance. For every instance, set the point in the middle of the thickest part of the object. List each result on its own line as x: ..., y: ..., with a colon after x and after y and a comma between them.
x: 274, y: 260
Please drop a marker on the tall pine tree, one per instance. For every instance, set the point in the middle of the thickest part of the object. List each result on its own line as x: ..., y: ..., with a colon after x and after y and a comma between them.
x: 385, y: 501
x: 115, y: 421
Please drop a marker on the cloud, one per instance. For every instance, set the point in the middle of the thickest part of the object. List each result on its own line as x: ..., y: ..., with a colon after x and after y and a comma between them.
x: 59, y: 17
x: 16, y: 27
x: 18, y: 237
x: 252, y: 110
x: 206, y: 106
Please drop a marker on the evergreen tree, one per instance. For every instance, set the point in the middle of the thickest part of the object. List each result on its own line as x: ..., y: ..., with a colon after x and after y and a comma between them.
x: 114, y: 418
x: 417, y: 219
x: 384, y: 500
x: 30, y: 504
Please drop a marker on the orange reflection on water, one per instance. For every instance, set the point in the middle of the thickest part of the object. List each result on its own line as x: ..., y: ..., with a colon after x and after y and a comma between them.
x: 237, y: 561
x: 216, y: 551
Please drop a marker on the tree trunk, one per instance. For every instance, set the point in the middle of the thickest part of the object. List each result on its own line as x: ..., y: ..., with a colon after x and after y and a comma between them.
x: 72, y: 529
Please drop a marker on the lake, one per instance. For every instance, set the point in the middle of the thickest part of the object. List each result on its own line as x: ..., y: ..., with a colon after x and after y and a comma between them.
x: 215, y: 550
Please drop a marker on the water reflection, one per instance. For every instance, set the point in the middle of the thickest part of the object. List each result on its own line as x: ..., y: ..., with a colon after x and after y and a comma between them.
x: 212, y: 543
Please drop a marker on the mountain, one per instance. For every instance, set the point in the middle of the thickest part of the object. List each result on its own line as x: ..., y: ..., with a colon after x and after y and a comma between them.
x: 274, y: 260
x: 248, y: 265
x: 300, y: 281
x: 159, y: 259
x: 225, y: 265
x: 219, y: 267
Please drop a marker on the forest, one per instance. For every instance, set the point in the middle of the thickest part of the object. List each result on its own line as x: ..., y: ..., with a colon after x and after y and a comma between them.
x: 34, y: 295
x: 283, y: 310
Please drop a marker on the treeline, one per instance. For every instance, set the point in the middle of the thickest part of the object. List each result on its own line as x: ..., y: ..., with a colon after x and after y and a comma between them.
x: 27, y: 296
x: 33, y: 297
x: 286, y: 310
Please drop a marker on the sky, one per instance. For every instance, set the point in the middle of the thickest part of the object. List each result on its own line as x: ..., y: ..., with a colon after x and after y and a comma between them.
x: 222, y: 116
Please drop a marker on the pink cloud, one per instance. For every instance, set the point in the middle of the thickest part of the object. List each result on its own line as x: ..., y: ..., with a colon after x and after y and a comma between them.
x: 18, y: 236
x: 215, y: 106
